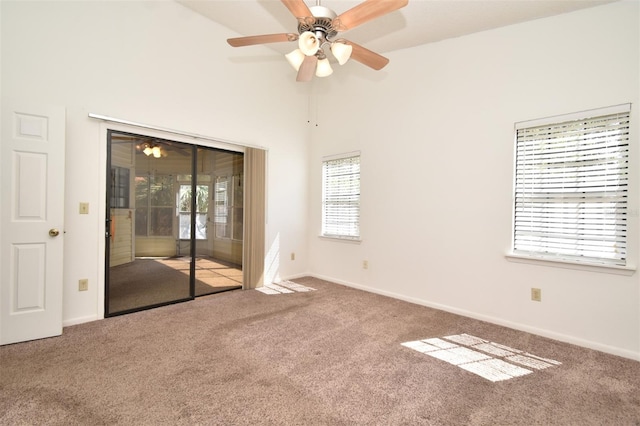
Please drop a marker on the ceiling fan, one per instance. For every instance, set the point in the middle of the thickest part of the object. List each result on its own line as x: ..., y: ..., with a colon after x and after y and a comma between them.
x: 317, y: 28
x: 150, y: 146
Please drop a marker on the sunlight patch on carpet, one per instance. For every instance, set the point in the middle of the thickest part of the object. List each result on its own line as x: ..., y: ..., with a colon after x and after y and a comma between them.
x: 284, y: 287
x: 489, y: 360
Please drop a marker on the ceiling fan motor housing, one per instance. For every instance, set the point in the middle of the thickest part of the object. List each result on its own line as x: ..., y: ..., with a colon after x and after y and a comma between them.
x: 321, y: 24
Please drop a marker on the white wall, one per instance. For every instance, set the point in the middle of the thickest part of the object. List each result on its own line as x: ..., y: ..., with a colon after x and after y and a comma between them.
x: 435, y: 129
x: 160, y: 64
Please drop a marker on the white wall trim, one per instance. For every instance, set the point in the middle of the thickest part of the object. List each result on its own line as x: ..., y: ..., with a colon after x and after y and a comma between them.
x: 80, y: 320
x: 567, y: 264
x: 296, y: 276
x: 230, y: 145
x: 580, y: 115
x: 494, y: 320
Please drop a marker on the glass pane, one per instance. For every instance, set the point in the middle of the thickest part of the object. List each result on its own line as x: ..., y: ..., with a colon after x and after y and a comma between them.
x: 202, y: 198
x: 185, y: 226
x: 202, y: 206
x: 142, y: 191
x: 150, y: 246
x: 221, y: 208
x: 142, y: 215
x: 120, y: 187
x: 237, y: 223
x: 201, y: 226
x: 161, y: 191
x: 161, y: 221
x: 218, y: 256
x: 184, y: 198
x: 147, y: 264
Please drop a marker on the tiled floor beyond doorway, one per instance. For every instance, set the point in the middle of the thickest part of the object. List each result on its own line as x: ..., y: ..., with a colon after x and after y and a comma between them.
x: 214, y: 273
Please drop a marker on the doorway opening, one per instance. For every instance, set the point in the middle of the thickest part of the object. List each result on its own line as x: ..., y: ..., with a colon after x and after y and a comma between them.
x: 174, y: 224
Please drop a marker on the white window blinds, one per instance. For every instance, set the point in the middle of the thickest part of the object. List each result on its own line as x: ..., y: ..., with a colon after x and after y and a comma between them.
x: 571, y: 189
x: 341, y: 197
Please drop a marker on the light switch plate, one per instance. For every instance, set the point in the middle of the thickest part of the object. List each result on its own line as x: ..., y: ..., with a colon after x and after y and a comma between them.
x: 536, y: 294
x: 83, y: 284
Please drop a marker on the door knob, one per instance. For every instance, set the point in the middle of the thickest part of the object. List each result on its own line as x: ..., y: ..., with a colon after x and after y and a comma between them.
x: 53, y: 232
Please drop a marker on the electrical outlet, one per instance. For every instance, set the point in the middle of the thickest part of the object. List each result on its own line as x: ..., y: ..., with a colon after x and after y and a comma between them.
x: 365, y: 264
x: 536, y: 294
x: 293, y: 256
x: 83, y: 284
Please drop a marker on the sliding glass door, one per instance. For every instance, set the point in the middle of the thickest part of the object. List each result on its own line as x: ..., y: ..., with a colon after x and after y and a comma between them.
x: 215, y: 204
x: 219, y: 256
x: 172, y: 232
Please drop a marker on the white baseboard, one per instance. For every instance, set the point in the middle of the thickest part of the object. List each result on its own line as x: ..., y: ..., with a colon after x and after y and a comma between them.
x: 80, y: 320
x: 293, y: 277
x: 625, y: 353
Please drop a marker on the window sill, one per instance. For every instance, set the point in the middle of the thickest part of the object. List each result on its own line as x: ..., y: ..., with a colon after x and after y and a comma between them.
x: 341, y: 239
x: 567, y: 264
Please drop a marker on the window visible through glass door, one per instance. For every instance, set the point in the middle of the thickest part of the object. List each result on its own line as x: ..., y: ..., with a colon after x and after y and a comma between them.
x: 202, y: 211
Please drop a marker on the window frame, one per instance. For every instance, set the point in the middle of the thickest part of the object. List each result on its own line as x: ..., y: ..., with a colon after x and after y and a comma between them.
x: 120, y: 187
x: 324, y: 232
x: 228, y: 206
x: 153, y: 211
x: 551, y: 257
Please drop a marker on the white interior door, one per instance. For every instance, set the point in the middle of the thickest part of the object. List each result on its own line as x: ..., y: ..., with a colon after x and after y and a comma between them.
x: 31, y: 222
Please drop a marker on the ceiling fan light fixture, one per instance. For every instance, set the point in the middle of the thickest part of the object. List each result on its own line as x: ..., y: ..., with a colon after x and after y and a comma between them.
x: 157, y: 153
x: 295, y: 58
x: 341, y: 51
x: 317, y: 27
x: 147, y: 150
x: 323, y: 69
x: 308, y: 43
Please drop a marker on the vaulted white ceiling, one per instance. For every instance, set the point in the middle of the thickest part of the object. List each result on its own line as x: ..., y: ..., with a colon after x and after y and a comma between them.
x: 420, y: 22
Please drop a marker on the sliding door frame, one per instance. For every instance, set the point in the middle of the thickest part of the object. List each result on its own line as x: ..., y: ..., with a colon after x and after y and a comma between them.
x: 108, y: 228
x: 118, y: 125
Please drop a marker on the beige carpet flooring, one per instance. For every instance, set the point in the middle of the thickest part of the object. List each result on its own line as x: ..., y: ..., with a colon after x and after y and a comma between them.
x: 331, y: 356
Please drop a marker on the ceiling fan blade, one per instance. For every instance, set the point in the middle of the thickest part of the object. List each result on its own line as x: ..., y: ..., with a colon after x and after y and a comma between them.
x: 365, y: 12
x: 262, y: 39
x: 298, y: 8
x: 307, y: 69
x: 367, y: 57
